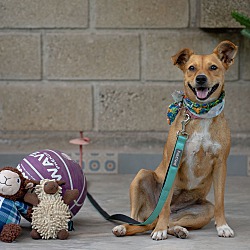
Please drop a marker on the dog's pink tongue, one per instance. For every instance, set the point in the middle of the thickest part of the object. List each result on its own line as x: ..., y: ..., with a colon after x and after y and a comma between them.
x: 202, y: 93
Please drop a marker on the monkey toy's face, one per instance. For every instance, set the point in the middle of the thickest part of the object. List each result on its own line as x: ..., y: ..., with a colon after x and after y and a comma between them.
x: 10, y: 182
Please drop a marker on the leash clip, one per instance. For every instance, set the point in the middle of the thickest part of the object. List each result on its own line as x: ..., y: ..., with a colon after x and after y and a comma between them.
x: 183, y: 126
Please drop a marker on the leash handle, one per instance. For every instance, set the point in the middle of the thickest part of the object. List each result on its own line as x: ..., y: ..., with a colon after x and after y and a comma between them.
x: 167, y: 185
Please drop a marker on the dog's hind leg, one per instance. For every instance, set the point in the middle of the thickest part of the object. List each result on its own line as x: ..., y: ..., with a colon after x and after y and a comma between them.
x: 192, y: 217
x: 144, y: 194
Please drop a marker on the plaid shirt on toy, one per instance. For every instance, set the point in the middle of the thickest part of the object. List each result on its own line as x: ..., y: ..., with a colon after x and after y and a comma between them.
x: 10, y: 211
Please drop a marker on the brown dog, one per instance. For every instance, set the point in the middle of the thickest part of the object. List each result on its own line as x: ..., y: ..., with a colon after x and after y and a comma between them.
x: 204, y: 158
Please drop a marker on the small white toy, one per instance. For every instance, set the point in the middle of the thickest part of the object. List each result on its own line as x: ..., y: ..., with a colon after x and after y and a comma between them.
x: 51, y: 212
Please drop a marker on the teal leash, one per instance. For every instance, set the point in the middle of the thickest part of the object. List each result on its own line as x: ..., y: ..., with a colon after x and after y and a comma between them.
x: 175, y: 161
x: 174, y: 164
x: 169, y: 179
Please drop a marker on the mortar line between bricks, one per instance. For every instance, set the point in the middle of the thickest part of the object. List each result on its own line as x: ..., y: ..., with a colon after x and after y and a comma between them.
x: 139, y: 81
x: 88, y: 24
x: 45, y: 56
x: 143, y: 57
x: 194, y: 10
x: 91, y: 15
x: 198, y: 14
x: 95, y: 101
x: 240, y: 72
x: 129, y: 81
x: 42, y: 56
x: 90, y: 30
x: 88, y: 81
x: 140, y: 58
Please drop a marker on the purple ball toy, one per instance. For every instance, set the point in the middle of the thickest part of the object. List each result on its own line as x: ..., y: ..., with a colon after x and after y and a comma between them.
x: 53, y: 164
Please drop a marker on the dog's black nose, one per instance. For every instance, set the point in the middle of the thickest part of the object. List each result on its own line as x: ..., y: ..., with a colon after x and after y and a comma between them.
x: 201, y: 79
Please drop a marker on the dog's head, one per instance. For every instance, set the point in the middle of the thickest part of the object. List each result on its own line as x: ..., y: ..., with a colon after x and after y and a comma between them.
x: 204, y: 74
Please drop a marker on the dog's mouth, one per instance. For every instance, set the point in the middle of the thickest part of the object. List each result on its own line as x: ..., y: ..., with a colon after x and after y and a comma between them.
x: 203, y: 93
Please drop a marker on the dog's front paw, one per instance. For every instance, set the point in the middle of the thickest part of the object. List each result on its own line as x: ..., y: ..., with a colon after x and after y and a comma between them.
x: 119, y: 230
x: 159, y: 235
x: 225, y: 231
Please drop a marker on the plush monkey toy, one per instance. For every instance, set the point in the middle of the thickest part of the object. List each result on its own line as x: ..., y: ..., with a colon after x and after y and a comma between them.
x: 13, y: 187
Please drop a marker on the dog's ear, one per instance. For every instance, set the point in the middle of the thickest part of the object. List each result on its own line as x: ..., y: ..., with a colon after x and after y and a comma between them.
x: 226, y: 52
x: 181, y: 58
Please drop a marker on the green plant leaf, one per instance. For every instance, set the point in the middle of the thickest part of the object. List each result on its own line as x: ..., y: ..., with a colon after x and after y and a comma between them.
x: 241, y: 18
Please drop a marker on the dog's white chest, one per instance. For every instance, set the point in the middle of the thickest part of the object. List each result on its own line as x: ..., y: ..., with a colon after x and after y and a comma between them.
x: 199, y: 140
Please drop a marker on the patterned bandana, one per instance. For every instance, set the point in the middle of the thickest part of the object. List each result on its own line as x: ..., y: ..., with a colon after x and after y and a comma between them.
x: 199, y: 110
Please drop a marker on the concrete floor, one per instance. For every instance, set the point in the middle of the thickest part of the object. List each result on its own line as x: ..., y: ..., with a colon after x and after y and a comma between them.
x: 111, y: 191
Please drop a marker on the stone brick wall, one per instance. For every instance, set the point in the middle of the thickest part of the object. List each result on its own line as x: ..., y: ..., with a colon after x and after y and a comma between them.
x: 103, y: 66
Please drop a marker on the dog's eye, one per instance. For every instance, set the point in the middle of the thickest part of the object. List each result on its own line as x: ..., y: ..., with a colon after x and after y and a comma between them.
x: 213, y: 67
x: 191, y: 68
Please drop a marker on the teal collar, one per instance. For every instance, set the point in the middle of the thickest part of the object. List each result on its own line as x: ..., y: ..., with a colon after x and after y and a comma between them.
x: 197, y: 110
